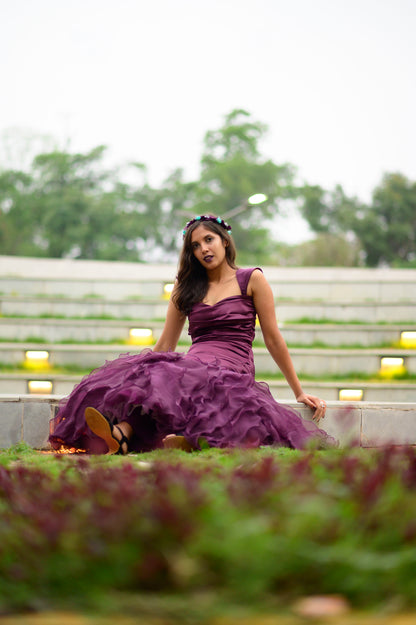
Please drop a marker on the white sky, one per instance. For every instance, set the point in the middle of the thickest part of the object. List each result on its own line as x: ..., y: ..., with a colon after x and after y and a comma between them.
x: 334, y: 80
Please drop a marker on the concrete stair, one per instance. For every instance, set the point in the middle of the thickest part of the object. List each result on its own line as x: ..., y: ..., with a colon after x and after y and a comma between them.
x: 307, y: 361
x: 395, y: 392
x: 150, y: 309
x: 45, y: 303
x: 121, y: 280
x: 57, y: 330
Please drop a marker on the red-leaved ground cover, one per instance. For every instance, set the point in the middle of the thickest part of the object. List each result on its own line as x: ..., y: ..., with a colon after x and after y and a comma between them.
x: 244, y: 524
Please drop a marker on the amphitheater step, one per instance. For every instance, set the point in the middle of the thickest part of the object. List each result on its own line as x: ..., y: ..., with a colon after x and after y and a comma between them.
x: 287, y: 311
x: 48, y: 276
x: 307, y: 361
x: 62, y: 384
x: 51, y: 330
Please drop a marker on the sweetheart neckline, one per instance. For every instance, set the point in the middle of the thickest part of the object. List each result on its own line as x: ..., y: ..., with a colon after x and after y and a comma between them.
x: 220, y: 300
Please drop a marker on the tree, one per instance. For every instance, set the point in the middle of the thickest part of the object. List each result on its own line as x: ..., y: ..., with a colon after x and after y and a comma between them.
x: 16, y: 214
x: 72, y: 208
x: 68, y: 204
x: 171, y: 203
x: 232, y: 170
x: 385, y: 229
x: 327, y: 250
x: 329, y: 211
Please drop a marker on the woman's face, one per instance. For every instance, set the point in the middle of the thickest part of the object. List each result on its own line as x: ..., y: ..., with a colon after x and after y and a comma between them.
x: 208, y: 247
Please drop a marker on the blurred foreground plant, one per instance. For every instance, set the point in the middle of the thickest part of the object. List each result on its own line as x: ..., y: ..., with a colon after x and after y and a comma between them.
x: 263, y: 523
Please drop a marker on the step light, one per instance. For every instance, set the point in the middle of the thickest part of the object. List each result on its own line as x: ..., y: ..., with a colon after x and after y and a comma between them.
x: 408, y: 340
x: 40, y: 387
x: 351, y: 394
x: 392, y: 366
x: 36, y: 359
x: 167, y: 290
x: 141, y: 336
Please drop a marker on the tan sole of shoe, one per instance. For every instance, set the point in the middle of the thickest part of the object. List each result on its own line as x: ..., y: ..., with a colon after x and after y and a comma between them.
x: 171, y: 441
x: 102, y: 428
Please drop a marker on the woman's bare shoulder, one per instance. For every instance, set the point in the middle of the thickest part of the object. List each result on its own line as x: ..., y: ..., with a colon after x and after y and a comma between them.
x: 257, y: 281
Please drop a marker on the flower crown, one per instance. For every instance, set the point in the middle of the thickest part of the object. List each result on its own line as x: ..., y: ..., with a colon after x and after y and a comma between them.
x: 216, y: 220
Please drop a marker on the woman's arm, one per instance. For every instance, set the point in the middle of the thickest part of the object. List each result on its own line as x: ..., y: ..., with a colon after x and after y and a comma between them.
x: 175, y: 320
x: 263, y: 299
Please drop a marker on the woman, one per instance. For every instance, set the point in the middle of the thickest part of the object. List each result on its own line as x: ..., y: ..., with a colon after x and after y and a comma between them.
x: 161, y: 397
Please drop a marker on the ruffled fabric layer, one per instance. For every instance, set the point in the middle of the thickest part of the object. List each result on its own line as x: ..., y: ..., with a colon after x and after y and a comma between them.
x: 161, y: 393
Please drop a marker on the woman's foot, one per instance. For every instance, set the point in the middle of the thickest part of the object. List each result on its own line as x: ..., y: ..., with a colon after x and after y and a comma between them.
x: 171, y: 441
x: 112, y: 435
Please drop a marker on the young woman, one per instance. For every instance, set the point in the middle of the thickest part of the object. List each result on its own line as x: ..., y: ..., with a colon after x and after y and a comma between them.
x: 163, y: 398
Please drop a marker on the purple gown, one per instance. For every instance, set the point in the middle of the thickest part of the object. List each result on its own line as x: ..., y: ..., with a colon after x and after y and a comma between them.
x: 208, y: 393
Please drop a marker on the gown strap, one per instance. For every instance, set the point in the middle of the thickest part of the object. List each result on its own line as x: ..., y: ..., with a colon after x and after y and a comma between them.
x: 243, y: 277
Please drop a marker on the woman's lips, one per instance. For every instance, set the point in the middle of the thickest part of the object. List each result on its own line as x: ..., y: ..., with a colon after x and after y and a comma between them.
x: 208, y: 259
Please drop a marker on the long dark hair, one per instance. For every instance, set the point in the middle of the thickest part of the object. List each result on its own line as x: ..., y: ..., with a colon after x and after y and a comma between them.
x: 192, y: 281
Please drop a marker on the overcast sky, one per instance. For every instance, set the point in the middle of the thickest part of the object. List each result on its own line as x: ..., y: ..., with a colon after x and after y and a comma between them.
x: 334, y: 80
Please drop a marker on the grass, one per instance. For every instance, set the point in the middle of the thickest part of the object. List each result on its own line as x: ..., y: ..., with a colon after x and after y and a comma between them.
x: 337, y: 322
x: 187, y: 534
x: 343, y: 346
x: 257, y: 343
x: 184, y: 343
x: 288, y: 322
x: 64, y: 370
x: 348, y: 378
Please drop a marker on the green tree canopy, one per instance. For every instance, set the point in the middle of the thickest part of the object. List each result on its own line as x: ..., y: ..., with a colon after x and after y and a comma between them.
x: 385, y: 228
x: 16, y: 214
x: 232, y: 170
x: 69, y: 204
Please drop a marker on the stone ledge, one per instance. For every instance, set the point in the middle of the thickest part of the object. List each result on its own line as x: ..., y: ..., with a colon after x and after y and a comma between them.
x: 26, y: 418
x: 368, y: 424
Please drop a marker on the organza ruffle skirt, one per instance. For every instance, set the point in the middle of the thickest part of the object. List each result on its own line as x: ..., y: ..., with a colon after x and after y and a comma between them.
x: 160, y: 393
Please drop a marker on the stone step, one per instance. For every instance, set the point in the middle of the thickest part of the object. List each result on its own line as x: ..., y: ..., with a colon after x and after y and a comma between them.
x: 336, y: 362
x: 95, y: 330
x: 286, y: 311
x: 20, y: 275
x: 62, y: 384
x: 26, y: 418
x: 307, y: 361
x: 70, y: 307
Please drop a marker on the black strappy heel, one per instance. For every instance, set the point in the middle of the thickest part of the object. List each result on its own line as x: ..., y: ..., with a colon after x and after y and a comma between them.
x: 123, y: 440
x: 102, y: 427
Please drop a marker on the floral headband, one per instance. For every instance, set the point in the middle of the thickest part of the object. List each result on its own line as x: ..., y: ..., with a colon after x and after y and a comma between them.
x: 200, y: 218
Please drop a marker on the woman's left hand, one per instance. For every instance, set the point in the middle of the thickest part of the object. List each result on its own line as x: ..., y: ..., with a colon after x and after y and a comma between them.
x: 317, y: 404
